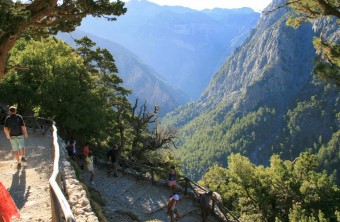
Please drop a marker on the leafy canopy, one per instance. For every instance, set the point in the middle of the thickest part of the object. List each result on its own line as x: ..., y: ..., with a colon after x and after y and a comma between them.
x: 40, y: 17
x: 284, y: 191
x: 60, y: 86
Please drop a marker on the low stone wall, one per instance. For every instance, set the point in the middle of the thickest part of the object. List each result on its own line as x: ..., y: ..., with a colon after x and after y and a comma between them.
x: 76, y: 195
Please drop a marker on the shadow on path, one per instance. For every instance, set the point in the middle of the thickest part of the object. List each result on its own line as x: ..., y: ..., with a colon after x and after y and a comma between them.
x: 18, y: 187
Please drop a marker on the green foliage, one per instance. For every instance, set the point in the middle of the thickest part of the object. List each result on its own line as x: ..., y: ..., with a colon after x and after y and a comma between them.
x: 43, y: 17
x: 61, y: 87
x: 311, y: 10
x: 81, y: 91
x: 242, y: 134
x: 308, y: 123
x: 329, y: 156
x: 11, y: 14
x: 328, y: 66
x: 284, y: 191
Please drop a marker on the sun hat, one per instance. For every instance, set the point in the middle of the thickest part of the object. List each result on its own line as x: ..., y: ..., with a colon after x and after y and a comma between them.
x: 13, y: 109
x: 176, y: 197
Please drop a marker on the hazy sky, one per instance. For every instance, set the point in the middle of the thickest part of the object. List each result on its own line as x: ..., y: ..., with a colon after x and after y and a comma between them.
x: 257, y: 5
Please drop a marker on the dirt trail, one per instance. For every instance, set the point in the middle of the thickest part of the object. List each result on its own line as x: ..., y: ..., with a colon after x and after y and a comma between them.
x: 28, y: 185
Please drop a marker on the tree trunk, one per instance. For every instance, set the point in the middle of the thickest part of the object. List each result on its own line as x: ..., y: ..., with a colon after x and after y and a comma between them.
x: 38, y: 10
x: 6, y: 44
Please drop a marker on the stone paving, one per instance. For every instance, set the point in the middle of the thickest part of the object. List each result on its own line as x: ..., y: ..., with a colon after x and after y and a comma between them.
x: 130, y: 199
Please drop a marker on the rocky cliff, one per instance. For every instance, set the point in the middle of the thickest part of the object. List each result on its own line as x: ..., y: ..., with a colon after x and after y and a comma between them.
x: 263, y: 100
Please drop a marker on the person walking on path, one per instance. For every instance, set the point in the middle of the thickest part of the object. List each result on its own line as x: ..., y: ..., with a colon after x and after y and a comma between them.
x: 205, y: 205
x: 86, y: 151
x: 172, y: 208
x: 112, y: 157
x: 70, y: 150
x: 172, y: 180
x: 89, y: 165
x: 16, y: 132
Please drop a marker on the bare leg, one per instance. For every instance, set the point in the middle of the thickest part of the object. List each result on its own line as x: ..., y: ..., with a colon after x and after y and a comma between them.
x: 22, y: 151
x: 16, y: 155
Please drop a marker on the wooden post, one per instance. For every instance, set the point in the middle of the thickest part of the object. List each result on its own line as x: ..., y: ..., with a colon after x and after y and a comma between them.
x: 186, y: 187
x: 152, y: 177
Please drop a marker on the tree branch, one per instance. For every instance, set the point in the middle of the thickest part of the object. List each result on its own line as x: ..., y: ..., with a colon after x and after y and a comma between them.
x: 279, y: 7
x: 18, y: 68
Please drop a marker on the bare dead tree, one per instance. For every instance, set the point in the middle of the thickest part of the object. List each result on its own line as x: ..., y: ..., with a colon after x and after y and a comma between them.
x: 145, y: 139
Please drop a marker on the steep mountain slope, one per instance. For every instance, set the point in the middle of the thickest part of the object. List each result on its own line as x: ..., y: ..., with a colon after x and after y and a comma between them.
x: 184, y: 45
x: 263, y: 100
x: 145, y: 83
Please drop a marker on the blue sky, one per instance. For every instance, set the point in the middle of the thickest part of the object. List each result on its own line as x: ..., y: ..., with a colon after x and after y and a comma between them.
x: 257, y: 5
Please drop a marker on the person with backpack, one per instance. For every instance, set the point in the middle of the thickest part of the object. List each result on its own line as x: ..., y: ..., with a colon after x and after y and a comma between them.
x: 172, y: 208
x: 16, y: 132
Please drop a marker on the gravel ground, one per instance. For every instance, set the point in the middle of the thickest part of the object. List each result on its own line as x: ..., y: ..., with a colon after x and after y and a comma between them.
x: 28, y: 185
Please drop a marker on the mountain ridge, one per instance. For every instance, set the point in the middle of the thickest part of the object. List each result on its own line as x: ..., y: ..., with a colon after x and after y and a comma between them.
x: 258, y: 103
x: 185, y: 46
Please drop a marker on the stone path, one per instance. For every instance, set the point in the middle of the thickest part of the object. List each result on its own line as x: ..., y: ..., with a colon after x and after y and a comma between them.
x: 130, y: 199
x: 28, y: 185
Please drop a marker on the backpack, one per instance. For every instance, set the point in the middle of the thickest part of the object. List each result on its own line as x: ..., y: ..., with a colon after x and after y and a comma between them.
x: 14, y: 123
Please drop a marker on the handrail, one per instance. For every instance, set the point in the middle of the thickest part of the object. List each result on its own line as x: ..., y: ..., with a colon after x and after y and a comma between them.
x: 61, y: 210
x: 188, y: 184
x: 43, y: 126
x: 55, y: 182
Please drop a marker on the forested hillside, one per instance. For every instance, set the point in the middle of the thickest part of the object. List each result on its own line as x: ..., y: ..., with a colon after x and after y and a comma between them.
x: 263, y: 101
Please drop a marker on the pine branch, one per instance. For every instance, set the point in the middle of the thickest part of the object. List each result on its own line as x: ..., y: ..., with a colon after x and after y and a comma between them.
x: 279, y: 7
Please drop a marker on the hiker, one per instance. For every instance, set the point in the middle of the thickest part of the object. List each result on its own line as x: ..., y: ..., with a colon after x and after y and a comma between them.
x: 70, y: 149
x: 86, y: 150
x: 205, y: 205
x: 89, y: 165
x: 16, y: 132
x: 112, y: 157
x: 172, y: 208
x: 172, y: 180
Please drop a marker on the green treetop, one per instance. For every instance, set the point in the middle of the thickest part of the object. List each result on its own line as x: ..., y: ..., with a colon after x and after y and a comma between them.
x: 51, y: 16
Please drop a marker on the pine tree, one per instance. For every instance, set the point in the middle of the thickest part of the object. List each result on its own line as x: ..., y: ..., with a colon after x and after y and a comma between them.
x: 328, y: 66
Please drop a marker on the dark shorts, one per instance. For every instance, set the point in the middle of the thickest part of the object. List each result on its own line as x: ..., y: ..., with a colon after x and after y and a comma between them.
x: 173, y: 213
